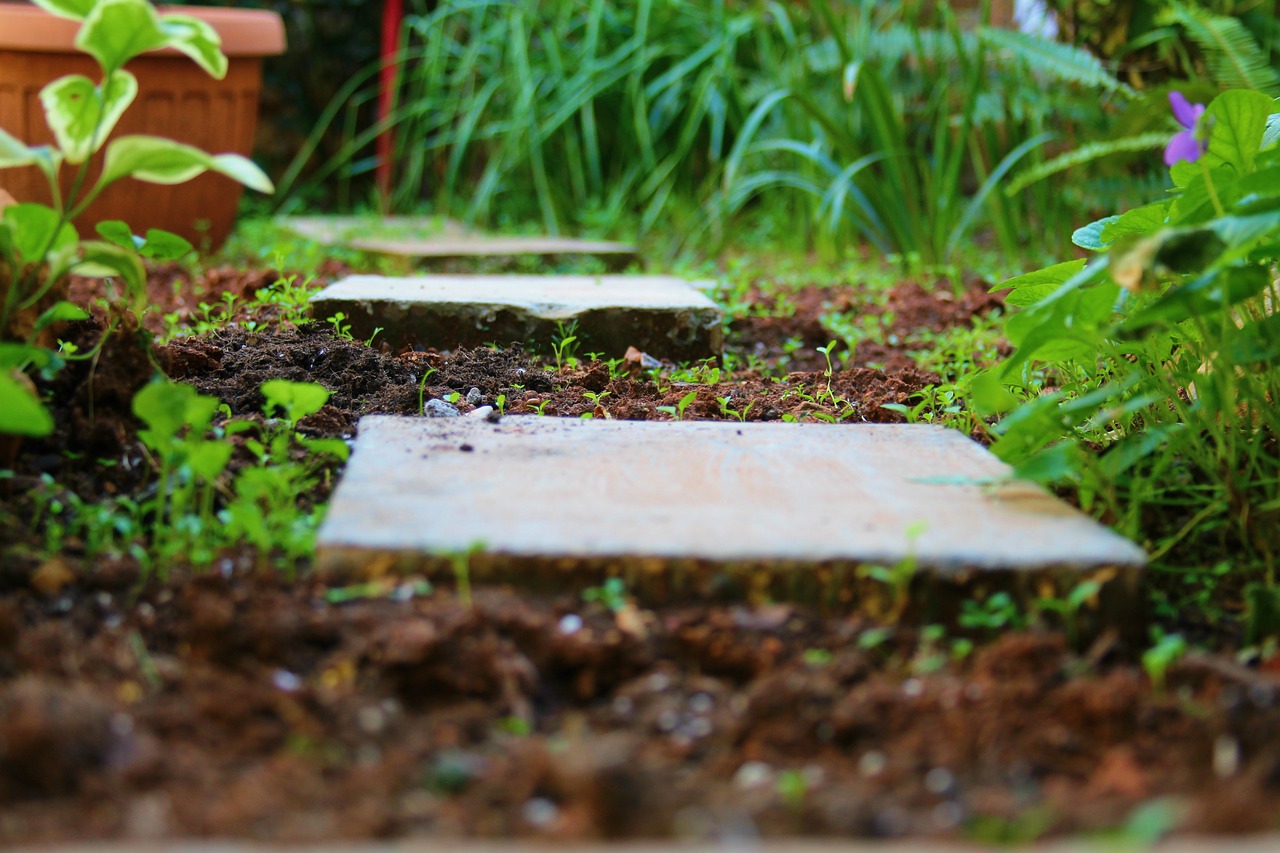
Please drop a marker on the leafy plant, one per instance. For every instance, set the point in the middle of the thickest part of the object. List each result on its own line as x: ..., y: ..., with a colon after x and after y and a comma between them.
x: 1150, y: 374
x: 612, y: 594
x: 39, y: 244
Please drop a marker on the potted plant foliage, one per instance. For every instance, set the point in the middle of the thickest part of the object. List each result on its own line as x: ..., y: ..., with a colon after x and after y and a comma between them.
x: 212, y: 105
x: 40, y: 244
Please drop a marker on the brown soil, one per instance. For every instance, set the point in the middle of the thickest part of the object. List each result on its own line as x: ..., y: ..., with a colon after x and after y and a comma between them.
x: 234, y: 702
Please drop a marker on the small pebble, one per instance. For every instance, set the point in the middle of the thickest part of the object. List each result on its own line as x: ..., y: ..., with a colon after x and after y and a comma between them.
x: 872, y: 763
x: 372, y: 720
x: 440, y: 409
x: 752, y: 774
x: 1226, y: 756
x: 701, y: 703
x: 482, y: 412
x: 285, y: 680
x: 474, y: 396
x: 667, y: 721
x: 570, y: 623
x: 912, y: 687
x: 540, y: 812
x: 939, y: 780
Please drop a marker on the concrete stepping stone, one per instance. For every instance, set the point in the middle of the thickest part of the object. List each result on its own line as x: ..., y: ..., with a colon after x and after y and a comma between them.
x: 663, y: 316
x: 695, y: 508
x: 440, y: 238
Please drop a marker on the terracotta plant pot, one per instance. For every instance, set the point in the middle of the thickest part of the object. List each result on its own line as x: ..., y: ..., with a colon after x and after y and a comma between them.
x: 176, y: 99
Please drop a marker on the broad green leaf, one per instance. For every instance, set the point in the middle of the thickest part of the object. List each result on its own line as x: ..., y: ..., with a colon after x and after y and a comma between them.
x: 1141, y: 220
x: 988, y: 394
x: 14, y: 153
x: 169, y: 407
x: 207, y: 459
x: 1272, y: 134
x: 1237, y: 119
x: 1195, y: 205
x: 1031, y: 287
x: 117, y: 232
x: 335, y: 447
x: 162, y: 161
x: 158, y: 245
x: 1090, y: 236
x: 198, y: 40
x: 1054, y: 463
x: 116, y: 31
x: 21, y: 412
x: 99, y: 259
x: 36, y: 232
x: 22, y: 356
x: 295, y: 399
x: 60, y: 312
x: 243, y: 170
x: 74, y: 9
x: 161, y: 245
x: 80, y: 116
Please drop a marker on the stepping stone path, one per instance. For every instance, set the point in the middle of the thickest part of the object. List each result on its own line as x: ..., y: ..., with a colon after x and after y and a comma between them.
x: 665, y: 317
x: 438, y: 238
x: 686, y: 509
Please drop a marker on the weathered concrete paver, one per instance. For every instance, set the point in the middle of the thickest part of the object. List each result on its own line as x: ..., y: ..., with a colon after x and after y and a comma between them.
x: 666, y: 317
x: 781, y: 509
x: 437, y: 237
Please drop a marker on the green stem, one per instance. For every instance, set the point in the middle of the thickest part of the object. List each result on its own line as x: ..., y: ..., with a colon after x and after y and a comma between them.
x: 1208, y: 185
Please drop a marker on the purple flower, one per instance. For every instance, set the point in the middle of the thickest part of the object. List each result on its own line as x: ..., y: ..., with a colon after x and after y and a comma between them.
x: 1184, y: 145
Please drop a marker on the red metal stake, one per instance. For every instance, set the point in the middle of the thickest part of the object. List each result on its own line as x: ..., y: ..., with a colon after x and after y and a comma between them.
x: 392, y: 15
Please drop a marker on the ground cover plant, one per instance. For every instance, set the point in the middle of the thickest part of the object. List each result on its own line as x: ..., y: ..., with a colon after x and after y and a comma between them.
x: 172, y: 664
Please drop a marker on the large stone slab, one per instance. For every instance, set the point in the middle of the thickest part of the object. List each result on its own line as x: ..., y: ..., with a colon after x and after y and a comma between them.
x: 666, y: 317
x: 437, y: 237
x: 681, y: 508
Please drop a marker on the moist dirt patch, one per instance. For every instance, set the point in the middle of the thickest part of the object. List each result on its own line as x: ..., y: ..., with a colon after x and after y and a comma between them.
x: 234, y: 700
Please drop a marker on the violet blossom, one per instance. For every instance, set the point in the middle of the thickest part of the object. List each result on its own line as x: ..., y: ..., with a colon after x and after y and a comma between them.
x: 1184, y: 145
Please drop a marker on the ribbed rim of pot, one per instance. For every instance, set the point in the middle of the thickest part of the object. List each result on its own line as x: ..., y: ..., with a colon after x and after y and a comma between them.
x: 244, y: 32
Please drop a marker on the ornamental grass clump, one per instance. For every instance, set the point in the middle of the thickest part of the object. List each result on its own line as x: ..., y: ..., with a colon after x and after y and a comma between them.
x: 39, y: 244
x: 1148, y: 375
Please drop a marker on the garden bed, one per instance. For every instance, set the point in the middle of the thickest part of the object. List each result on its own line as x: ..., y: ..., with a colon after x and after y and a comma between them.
x: 255, y: 699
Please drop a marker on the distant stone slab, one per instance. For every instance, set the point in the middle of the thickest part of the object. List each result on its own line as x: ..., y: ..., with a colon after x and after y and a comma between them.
x: 689, y: 508
x: 666, y: 317
x: 437, y: 237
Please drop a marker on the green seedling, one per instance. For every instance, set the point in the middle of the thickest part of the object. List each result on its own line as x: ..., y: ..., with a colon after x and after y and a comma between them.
x: 460, y: 562
x: 996, y: 612
x: 422, y: 387
x: 1157, y: 660
x: 369, y: 342
x: 816, y: 657
x: 341, y: 330
x: 677, y: 411
x: 1069, y: 608
x: 729, y: 412
x: 564, y: 345
x: 793, y: 788
x: 377, y: 589
x: 612, y: 594
x: 897, y: 578
x: 500, y: 403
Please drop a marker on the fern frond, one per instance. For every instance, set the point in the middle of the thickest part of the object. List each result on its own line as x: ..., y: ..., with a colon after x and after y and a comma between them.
x: 1234, y: 58
x: 1061, y: 61
x: 1086, y: 154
